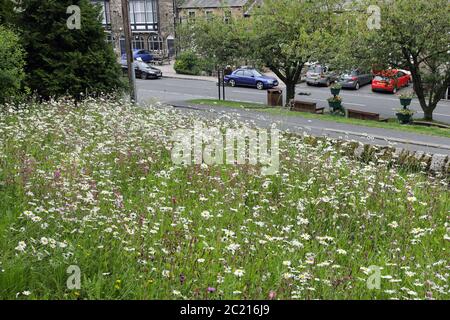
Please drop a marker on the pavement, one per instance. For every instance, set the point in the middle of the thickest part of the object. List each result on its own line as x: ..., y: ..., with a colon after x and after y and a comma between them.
x: 169, y: 72
x: 368, y: 135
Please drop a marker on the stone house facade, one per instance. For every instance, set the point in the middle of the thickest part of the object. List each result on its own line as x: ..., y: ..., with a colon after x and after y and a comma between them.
x: 152, y: 24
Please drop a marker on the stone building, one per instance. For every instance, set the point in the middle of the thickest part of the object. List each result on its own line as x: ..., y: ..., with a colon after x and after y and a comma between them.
x: 152, y: 24
x: 189, y: 10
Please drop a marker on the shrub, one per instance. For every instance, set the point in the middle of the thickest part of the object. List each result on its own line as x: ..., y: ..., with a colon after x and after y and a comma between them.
x: 11, y: 65
x: 187, y: 63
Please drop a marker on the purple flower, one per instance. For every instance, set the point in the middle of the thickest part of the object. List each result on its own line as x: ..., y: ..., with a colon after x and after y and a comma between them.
x: 182, y: 278
x: 211, y: 289
x: 57, y: 174
x: 272, y: 295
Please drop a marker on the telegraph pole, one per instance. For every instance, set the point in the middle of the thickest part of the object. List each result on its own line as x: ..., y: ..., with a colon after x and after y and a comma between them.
x: 129, y: 50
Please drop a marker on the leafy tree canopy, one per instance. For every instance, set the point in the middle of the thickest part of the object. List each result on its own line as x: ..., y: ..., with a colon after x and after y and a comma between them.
x: 413, y: 35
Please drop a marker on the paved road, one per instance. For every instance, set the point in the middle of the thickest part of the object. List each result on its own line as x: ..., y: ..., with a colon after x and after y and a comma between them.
x: 315, y: 127
x: 169, y: 89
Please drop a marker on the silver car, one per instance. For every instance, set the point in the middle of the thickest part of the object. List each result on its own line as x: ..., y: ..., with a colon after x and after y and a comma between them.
x: 320, y: 75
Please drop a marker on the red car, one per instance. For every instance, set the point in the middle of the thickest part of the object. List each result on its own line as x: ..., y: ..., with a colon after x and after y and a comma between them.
x: 390, y: 81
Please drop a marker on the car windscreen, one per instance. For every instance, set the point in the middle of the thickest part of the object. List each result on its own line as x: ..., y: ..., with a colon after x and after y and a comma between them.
x: 380, y: 78
x: 347, y: 75
x: 315, y: 69
x: 142, y: 65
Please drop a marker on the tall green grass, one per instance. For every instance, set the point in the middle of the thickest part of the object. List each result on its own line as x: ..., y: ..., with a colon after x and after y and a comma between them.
x: 94, y: 186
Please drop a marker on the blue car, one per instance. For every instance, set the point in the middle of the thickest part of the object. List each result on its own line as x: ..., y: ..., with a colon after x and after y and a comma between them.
x: 250, y: 78
x: 145, y: 55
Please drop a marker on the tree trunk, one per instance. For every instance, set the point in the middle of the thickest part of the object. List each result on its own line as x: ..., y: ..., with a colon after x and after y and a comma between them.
x: 428, y: 114
x: 290, y: 90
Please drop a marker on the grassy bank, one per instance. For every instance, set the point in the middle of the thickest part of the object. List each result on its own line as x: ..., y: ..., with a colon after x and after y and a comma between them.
x: 391, y: 124
x: 95, y: 187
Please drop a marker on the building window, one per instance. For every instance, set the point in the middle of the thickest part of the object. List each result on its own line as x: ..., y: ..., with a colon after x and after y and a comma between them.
x: 208, y: 14
x: 138, y: 42
x: 139, y: 12
x: 191, y: 16
x: 155, y: 43
x: 122, y: 45
x: 227, y: 16
x: 143, y: 12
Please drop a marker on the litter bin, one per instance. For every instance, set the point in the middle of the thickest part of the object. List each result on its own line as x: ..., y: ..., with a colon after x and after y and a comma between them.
x: 275, y: 97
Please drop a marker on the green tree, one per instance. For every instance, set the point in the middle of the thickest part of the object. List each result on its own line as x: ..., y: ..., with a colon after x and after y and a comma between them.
x: 64, y: 61
x: 213, y: 39
x: 282, y: 35
x: 287, y: 34
x: 413, y: 35
x: 7, y: 12
x: 11, y: 65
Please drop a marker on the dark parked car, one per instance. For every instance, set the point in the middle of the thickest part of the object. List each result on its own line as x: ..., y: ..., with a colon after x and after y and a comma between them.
x: 144, y: 70
x: 250, y: 78
x: 355, y: 79
x: 145, y: 55
x: 320, y: 75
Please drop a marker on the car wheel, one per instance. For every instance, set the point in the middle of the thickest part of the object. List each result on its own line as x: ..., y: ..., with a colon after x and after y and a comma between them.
x: 259, y: 85
x: 143, y: 76
x: 357, y: 86
x: 232, y: 83
x: 308, y: 84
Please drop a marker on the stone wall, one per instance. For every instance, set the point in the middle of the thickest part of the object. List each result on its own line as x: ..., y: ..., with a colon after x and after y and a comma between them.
x: 410, y: 160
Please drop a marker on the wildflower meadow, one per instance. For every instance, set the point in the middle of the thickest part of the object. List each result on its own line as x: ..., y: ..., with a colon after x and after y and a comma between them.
x: 93, y: 207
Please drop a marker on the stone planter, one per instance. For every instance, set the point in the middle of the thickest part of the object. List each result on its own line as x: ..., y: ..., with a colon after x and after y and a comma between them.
x: 335, y: 91
x: 335, y: 105
x: 404, y: 118
x: 405, y: 102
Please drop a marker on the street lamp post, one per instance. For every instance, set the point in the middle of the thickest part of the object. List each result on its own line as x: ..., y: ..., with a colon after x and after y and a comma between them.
x: 129, y: 50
